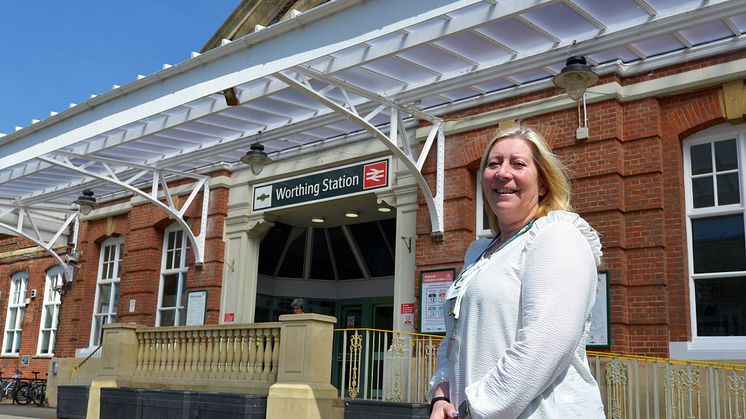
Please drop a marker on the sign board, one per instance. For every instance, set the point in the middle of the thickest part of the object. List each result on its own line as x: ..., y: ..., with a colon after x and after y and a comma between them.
x: 196, y: 308
x: 229, y: 317
x: 341, y: 181
x: 407, y: 308
x: 599, y: 335
x: 433, y: 287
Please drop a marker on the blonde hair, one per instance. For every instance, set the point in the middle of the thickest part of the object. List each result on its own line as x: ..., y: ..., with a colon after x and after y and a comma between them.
x: 552, y: 173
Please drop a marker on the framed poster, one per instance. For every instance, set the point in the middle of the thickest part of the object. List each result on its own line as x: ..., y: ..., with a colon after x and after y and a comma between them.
x: 433, y: 287
x: 196, y: 308
x: 599, y: 336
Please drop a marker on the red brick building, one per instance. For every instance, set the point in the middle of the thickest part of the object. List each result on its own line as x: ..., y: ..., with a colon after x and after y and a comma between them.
x: 659, y: 174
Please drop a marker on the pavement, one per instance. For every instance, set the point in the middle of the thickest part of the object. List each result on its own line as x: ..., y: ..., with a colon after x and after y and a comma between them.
x: 14, y: 411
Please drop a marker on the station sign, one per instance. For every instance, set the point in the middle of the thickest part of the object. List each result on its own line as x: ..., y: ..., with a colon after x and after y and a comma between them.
x: 341, y: 181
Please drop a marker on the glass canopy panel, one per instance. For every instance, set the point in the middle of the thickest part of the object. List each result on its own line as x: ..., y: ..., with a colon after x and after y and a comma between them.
x: 474, y: 47
x: 707, y: 33
x: 222, y: 120
x: 373, y: 248
x: 658, y: 45
x: 208, y: 130
x: 494, y: 85
x: 458, y: 94
x: 669, y: 6
x: 400, y: 70
x: 613, y: 12
x: 740, y: 22
x: 561, y: 21
x: 347, y: 266
x: 432, y: 100
x: 288, y: 109
x: 529, y: 76
x: 321, y: 261
x: 292, y: 263
x: 611, y: 55
x: 368, y: 80
x: 516, y: 36
x: 298, y: 98
x: 438, y: 60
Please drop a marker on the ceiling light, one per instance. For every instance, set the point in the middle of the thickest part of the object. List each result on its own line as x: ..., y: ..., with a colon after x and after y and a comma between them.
x: 86, y: 202
x: 256, y: 158
x: 382, y: 207
x: 575, y: 77
x: 318, y: 219
x: 352, y: 214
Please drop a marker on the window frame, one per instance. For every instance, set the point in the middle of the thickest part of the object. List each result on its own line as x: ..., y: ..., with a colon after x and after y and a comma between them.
x: 181, y: 271
x: 483, y: 230
x: 22, y: 278
x: 711, y: 347
x: 52, y: 283
x: 118, y: 244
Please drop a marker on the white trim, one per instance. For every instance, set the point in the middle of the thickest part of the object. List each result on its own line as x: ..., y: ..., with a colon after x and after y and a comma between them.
x: 117, y: 244
x: 50, y: 301
x: 482, y: 230
x: 179, y: 268
x: 16, y: 301
x: 710, y: 347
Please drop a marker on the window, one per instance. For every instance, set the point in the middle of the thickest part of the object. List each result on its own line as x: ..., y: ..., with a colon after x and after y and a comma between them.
x: 483, y: 223
x: 50, y: 312
x: 16, y: 310
x: 107, y: 287
x: 172, y: 289
x: 714, y: 162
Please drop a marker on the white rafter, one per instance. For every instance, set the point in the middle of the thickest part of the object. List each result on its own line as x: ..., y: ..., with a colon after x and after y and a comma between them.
x: 434, y: 203
x: 125, y: 179
x: 28, y: 222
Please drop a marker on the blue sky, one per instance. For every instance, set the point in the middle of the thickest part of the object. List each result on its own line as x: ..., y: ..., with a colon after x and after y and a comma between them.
x: 55, y: 52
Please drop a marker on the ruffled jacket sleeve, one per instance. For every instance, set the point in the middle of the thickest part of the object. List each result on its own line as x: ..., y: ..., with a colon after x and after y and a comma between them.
x: 557, y: 294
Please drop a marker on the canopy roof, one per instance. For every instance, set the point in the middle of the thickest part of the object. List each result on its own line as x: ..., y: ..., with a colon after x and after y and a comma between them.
x: 432, y: 56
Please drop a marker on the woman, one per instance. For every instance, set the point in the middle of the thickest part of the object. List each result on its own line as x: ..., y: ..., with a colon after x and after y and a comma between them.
x: 519, y: 313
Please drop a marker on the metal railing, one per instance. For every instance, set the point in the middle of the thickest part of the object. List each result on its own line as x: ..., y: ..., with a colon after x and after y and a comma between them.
x: 88, y: 368
x: 396, y: 366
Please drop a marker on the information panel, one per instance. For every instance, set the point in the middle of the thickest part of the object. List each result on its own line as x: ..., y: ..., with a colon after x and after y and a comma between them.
x: 599, y: 336
x: 434, y: 285
x: 196, y: 304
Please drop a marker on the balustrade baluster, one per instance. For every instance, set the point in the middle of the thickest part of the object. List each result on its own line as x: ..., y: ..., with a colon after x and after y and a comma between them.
x: 211, y: 356
x: 231, y: 353
x: 181, y: 353
x: 201, y: 350
x: 241, y: 354
x: 267, y: 366
x: 148, y: 356
x: 158, y: 351
x: 259, y: 367
x: 275, y: 352
x: 223, y: 345
x: 140, y: 353
x: 188, y: 354
x: 170, y: 350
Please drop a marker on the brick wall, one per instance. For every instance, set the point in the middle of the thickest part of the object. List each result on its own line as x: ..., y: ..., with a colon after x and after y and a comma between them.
x: 627, y: 182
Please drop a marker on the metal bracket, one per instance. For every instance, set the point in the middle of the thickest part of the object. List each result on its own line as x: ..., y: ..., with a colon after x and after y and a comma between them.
x: 27, y: 225
x: 110, y: 170
x: 301, y: 81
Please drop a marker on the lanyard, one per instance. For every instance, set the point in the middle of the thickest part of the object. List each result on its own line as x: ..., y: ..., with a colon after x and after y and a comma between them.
x: 458, y: 288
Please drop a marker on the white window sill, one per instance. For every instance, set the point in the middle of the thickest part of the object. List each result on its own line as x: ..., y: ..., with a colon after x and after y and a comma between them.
x: 710, y: 349
x: 50, y: 356
x: 9, y: 355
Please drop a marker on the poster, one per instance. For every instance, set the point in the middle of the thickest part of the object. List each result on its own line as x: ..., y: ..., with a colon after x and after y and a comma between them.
x: 196, y: 304
x: 599, y: 335
x: 434, y: 285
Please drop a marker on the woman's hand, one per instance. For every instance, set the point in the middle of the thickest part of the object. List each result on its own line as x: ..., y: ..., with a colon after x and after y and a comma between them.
x: 443, y: 410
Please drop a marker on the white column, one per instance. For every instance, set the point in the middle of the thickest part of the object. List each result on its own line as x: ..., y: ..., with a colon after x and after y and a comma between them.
x: 243, y: 238
x: 403, y: 197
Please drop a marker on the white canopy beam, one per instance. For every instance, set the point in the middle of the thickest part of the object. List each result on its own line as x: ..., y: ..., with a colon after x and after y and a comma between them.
x: 434, y: 203
x: 27, y: 225
x: 87, y: 165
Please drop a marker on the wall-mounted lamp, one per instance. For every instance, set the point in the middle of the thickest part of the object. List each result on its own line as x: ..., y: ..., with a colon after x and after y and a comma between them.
x: 575, y: 78
x: 86, y: 202
x: 256, y: 158
x: 383, y: 207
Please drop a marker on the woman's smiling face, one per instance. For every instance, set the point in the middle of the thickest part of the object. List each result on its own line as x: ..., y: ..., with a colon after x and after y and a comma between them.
x: 511, y: 183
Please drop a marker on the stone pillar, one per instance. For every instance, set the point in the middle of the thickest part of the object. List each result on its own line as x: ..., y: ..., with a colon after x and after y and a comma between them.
x: 403, y: 196
x: 119, y: 361
x: 243, y: 238
x: 303, y: 388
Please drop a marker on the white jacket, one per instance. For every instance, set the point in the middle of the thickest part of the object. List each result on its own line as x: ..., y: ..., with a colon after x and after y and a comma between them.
x: 518, y: 345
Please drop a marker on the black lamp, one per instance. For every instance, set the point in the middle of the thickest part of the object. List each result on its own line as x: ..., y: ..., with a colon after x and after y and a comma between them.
x: 256, y: 158
x: 86, y: 202
x: 575, y: 77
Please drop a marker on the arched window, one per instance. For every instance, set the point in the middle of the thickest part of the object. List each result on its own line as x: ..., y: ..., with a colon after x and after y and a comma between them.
x: 50, y: 312
x: 107, y: 287
x: 16, y: 311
